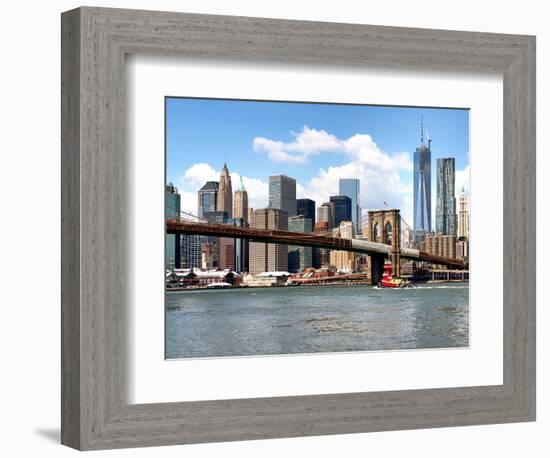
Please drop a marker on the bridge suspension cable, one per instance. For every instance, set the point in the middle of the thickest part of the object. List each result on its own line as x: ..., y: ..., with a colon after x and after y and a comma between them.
x: 405, y: 242
x: 186, y: 216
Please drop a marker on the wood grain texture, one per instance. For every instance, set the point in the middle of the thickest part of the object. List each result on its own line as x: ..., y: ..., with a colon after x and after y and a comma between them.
x: 70, y: 229
x: 96, y: 414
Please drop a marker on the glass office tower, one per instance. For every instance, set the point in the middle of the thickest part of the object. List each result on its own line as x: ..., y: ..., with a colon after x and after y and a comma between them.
x: 208, y: 197
x: 172, y: 243
x: 351, y: 187
x: 341, y: 209
x: 445, y: 208
x: 306, y: 207
x: 422, y: 190
x: 282, y: 194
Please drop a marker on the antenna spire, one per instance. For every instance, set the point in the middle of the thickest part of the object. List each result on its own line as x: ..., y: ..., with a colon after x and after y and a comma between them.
x: 422, y: 129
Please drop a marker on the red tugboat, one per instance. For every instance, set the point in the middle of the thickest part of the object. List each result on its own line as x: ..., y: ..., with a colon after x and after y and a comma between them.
x: 389, y: 282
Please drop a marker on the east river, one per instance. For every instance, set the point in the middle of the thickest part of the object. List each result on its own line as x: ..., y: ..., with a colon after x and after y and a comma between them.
x: 311, y: 319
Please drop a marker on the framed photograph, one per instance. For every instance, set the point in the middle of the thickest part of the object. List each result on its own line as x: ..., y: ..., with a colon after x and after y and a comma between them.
x: 277, y: 228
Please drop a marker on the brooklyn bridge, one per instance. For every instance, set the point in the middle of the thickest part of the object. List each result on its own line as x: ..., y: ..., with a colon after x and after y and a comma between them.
x: 385, y: 240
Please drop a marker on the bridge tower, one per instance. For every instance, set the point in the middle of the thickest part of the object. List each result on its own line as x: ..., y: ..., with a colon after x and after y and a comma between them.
x: 385, y: 227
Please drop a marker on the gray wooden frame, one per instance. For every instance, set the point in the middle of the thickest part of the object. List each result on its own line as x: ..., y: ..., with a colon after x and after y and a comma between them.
x: 95, y: 413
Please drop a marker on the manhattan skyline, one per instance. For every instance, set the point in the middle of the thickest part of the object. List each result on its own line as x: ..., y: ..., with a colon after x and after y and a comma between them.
x: 314, y: 143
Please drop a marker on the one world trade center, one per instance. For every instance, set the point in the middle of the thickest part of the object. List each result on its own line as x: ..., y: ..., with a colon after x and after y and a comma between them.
x: 422, y: 189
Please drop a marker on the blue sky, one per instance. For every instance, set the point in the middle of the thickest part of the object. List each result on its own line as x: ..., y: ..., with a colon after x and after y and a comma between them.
x: 313, y: 143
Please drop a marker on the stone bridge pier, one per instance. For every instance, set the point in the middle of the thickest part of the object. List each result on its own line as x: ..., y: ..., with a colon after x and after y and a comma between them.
x: 385, y: 227
x: 376, y: 268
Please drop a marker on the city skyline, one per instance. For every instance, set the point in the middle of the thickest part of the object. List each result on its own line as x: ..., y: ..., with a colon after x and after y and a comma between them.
x: 316, y: 158
x: 305, y: 212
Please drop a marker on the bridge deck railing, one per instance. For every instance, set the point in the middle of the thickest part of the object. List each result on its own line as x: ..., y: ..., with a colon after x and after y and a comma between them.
x: 178, y: 226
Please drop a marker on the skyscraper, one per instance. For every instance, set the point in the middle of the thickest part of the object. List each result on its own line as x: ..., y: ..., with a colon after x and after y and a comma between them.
x: 266, y: 257
x: 208, y: 197
x: 299, y: 257
x: 282, y: 194
x: 445, y: 209
x: 240, y: 218
x: 172, y: 243
x: 225, y: 193
x: 306, y: 207
x: 321, y: 256
x: 351, y: 187
x: 240, y: 203
x: 226, y: 253
x: 221, y: 243
x: 325, y: 213
x: 463, y: 216
x: 250, y: 218
x: 190, y: 251
x: 241, y: 249
x: 422, y: 188
x: 439, y: 245
x: 342, y: 209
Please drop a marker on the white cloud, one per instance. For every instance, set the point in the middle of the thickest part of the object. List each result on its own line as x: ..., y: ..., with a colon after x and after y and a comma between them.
x: 462, y: 178
x: 377, y: 185
x: 189, y: 202
x: 379, y: 172
x: 307, y: 142
x: 198, y: 174
x: 310, y: 142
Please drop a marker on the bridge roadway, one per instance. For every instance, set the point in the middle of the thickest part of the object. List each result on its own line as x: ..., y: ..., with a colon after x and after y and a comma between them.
x: 304, y: 239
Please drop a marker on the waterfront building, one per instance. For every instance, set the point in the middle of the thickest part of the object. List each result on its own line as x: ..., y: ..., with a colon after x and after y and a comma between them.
x: 265, y: 257
x: 282, y: 194
x: 183, y: 278
x: 439, y: 245
x: 306, y: 207
x: 351, y: 187
x: 344, y: 261
x: 445, y: 208
x: 266, y: 279
x: 240, y: 203
x: 299, y: 257
x: 172, y: 259
x: 325, y: 214
x: 422, y: 193
x: 341, y: 209
x: 463, y: 215
x: 208, y: 198
x: 225, y: 193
